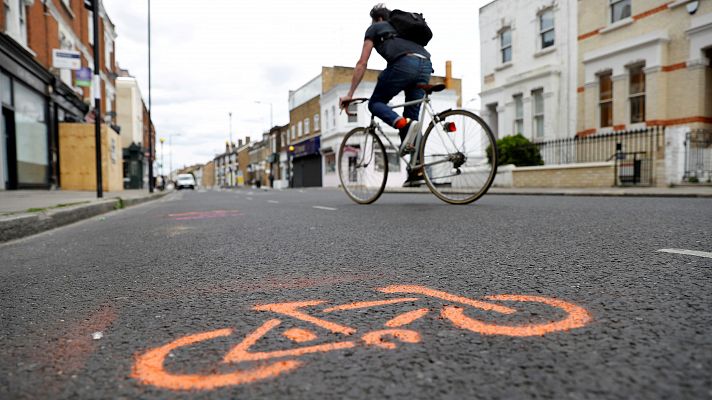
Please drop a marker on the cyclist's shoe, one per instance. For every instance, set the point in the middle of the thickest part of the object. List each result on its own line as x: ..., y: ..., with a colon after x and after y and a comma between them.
x: 415, y: 178
x: 408, y: 134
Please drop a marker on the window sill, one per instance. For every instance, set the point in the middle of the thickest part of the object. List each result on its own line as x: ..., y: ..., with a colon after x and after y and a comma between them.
x: 617, y: 25
x: 503, y: 66
x: 545, y: 51
x: 678, y: 3
x: 68, y: 9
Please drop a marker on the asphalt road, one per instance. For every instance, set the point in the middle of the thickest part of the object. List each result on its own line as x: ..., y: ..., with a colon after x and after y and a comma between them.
x: 194, y: 296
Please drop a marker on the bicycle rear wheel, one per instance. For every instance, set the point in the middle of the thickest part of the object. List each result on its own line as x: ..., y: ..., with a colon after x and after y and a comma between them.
x: 363, y: 166
x: 459, y: 155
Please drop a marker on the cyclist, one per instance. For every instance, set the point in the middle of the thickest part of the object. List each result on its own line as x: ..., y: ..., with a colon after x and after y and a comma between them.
x: 408, y: 65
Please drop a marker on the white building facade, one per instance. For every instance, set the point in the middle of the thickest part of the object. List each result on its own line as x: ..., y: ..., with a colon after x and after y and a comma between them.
x: 528, y: 67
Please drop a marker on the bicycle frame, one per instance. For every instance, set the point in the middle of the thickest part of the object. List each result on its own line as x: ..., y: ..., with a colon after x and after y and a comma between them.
x: 375, y: 127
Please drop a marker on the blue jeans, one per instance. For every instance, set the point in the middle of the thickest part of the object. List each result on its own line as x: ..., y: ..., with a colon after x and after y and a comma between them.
x: 403, y: 74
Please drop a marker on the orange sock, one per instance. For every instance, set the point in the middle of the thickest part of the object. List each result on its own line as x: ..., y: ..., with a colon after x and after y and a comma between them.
x: 401, y: 123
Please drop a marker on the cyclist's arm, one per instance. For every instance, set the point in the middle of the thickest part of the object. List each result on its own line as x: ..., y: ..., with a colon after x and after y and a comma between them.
x: 360, y: 69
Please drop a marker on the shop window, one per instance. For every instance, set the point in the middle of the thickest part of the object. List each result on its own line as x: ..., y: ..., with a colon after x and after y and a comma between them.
x: 637, y: 94
x: 31, y: 137
x: 6, y: 89
x: 538, y: 98
x: 330, y: 163
x: 546, y: 28
x: 620, y: 9
x: 505, y: 40
x: 605, y: 99
x: 518, y: 114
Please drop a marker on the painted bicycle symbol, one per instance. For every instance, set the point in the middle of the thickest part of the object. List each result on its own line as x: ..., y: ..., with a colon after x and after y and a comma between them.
x: 149, y: 367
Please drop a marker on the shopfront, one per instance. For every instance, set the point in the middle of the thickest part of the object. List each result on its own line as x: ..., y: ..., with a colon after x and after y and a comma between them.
x: 306, y: 163
x: 33, y: 102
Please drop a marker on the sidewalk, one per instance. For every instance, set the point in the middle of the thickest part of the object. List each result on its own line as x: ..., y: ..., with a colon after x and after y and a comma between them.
x: 27, y: 212
x: 677, y: 191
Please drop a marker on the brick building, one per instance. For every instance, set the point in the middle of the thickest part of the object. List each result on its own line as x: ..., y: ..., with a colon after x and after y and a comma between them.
x: 644, y: 62
x: 36, y: 96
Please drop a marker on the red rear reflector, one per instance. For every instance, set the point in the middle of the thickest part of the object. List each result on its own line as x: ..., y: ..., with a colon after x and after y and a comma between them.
x: 450, y: 127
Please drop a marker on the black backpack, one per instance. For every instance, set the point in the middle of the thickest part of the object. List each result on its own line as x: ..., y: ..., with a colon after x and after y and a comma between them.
x: 411, y: 26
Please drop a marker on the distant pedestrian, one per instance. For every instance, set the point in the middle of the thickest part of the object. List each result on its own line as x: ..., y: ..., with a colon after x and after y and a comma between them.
x: 271, y: 179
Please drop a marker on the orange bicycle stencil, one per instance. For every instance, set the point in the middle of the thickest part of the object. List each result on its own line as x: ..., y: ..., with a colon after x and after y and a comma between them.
x: 149, y: 367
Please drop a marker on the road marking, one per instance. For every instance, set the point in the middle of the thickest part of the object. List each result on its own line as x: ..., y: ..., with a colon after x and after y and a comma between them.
x: 324, y: 208
x: 273, y: 201
x: 369, y: 304
x: 195, y: 215
x: 149, y: 367
x: 249, y: 198
x: 687, y: 252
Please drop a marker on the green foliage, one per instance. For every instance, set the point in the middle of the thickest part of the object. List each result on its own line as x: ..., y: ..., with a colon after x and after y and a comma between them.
x: 516, y: 150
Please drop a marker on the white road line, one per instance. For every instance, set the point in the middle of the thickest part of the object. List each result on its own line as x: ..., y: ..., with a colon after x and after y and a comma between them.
x: 249, y: 198
x: 324, y: 208
x: 273, y: 201
x: 687, y: 252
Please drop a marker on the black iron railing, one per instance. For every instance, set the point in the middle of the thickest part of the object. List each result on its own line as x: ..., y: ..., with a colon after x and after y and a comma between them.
x: 698, y: 156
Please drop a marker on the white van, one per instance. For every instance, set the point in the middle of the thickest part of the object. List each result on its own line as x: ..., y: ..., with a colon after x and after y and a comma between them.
x: 185, y: 181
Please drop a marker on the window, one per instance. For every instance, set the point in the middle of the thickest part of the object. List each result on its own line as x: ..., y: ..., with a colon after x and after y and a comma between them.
x: 605, y: 99
x: 16, y: 20
x: 393, y: 161
x: 294, y: 132
x: 637, y: 94
x: 90, y: 26
x: 326, y: 117
x: 538, y: 96
x: 306, y: 126
x: 5, y: 89
x: 546, y: 28
x: 317, y: 125
x: 330, y: 163
x: 353, y: 112
x: 108, y: 49
x: 299, y: 129
x: 518, y: 114
x: 620, y: 9
x: 505, y: 39
x: 284, y: 138
x: 333, y: 116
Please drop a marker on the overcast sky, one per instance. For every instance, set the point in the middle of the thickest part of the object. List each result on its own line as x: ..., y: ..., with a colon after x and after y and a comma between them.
x: 213, y: 57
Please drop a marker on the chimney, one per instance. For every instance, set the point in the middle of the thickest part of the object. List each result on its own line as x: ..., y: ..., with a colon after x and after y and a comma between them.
x: 448, y: 74
x: 239, y: 142
x: 227, y: 146
x: 247, y: 140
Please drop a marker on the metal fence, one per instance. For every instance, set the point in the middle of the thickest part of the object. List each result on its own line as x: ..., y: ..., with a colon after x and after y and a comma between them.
x: 634, y: 152
x: 698, y: 156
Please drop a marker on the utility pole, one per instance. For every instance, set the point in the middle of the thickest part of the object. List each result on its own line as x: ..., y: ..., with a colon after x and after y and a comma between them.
x: 96, y: 86
x: 151, y: 182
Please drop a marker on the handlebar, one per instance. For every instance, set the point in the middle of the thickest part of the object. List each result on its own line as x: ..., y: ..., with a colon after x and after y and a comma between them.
x: 345, y: 104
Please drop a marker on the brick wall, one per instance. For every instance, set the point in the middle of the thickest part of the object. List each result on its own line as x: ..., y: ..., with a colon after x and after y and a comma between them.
x: 587, y: 175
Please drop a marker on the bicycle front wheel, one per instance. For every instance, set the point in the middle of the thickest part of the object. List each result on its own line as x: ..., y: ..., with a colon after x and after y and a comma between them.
x: 459, y: 157
x: 363, y: 166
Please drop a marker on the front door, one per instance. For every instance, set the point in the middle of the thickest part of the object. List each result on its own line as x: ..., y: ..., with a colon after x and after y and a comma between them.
x: 10, y: 147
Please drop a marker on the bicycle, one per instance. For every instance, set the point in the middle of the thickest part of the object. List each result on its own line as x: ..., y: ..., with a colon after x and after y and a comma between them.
x: 457, y: 155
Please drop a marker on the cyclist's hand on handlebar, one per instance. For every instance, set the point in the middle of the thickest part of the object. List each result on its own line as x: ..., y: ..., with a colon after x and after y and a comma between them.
x: 343, y: 101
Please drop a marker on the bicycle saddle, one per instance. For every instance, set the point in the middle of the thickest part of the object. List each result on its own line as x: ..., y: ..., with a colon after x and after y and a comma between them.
x: 430, y: 89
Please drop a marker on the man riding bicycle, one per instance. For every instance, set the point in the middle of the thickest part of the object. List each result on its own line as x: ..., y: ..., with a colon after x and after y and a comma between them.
x: 408, y: 66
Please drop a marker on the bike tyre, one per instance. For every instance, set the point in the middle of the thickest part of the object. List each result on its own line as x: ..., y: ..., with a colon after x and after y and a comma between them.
x: 491, y: 141
x: 378, y: 147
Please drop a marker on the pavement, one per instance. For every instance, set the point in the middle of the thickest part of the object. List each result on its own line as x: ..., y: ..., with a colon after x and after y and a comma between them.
x: 303, y: 294
x: 19, y: 201
x: 28, y: 212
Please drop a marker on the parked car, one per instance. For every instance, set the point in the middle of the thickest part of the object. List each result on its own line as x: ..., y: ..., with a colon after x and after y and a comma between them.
x: 185, y: 181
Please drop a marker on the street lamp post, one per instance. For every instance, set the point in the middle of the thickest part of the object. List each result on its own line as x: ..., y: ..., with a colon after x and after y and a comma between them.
x: 162, y: 140
x: 151, y: 183
x: 230, y: 115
